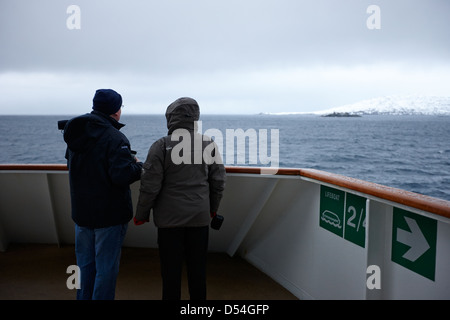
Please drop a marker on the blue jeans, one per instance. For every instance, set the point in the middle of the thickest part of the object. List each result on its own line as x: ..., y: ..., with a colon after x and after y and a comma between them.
x: 98, y: 256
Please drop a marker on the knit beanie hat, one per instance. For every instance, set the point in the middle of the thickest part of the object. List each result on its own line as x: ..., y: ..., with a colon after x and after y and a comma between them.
x: 107, y: 101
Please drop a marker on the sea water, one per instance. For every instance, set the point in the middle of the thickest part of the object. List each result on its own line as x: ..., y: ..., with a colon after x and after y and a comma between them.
x: 406, y: 152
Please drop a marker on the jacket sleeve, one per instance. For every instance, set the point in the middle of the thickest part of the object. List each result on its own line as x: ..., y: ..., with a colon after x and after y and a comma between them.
x: 217, y: 179
x: 123, y: 169
x: 151, y: 180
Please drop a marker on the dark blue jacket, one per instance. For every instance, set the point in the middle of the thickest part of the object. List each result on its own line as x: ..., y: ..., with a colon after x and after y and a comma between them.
x: 101, y: 169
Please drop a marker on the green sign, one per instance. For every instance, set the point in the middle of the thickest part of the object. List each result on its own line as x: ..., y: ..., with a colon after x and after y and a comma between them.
x: 414, y: 242
x: 343, y: 214
x: 332, y: 210
x: 355, y: 219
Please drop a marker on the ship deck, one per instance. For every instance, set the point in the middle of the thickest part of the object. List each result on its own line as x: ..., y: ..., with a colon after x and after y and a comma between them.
x: 38, y: 272
x: 273, y: 244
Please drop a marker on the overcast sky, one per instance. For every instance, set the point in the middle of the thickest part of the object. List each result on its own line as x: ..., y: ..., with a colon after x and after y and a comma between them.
x: 232, y: 56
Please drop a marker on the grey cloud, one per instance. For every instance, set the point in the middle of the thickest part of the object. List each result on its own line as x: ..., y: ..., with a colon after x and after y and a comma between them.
x: 235, y: 55
x: 172, y: 36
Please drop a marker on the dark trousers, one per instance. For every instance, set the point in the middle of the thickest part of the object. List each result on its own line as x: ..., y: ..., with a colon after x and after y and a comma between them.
x: 178, y: 245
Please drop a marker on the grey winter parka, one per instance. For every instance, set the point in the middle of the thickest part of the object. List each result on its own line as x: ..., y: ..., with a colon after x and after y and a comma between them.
x: 183, y: 177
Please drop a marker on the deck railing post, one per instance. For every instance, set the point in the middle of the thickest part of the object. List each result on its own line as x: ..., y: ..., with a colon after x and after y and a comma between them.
x: 251, y: 217
x: 53, y: 209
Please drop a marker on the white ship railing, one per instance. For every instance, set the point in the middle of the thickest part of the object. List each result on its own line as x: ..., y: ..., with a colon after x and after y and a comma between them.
x: 305, y: 228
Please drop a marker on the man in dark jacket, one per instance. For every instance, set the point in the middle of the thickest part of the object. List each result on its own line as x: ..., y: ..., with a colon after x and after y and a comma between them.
x: 183, y: 179
x: 101, y: 169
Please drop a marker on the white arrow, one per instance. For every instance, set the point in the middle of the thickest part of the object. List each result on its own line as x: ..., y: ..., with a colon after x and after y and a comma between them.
x: 414, y: 239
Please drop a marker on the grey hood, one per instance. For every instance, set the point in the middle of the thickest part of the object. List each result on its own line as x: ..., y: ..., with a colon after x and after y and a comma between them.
x: 180, y: 194
x: 182, y: 113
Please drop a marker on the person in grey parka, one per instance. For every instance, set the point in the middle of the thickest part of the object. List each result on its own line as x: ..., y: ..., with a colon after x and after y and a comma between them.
x: 183, y: 179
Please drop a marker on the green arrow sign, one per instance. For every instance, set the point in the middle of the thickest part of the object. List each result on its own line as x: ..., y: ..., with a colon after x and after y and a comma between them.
x: 414, y: 242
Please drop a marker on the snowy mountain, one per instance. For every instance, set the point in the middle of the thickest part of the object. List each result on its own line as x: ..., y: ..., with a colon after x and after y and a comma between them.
x: 395, y: 105
x: 390, y: 105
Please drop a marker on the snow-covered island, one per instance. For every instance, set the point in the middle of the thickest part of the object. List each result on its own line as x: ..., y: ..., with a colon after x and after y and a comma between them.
x: 390, y: 105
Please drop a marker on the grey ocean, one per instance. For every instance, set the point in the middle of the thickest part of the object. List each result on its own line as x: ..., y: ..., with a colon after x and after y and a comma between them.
x: 407, y: 152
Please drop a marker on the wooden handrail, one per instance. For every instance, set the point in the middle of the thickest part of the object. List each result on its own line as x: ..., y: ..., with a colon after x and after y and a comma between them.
x: 422, y: 202
x: 411, y: 199
x: 258, y: 170
x: 33, y: 167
